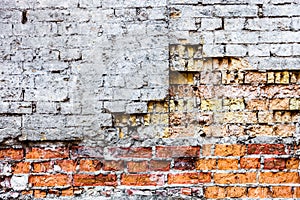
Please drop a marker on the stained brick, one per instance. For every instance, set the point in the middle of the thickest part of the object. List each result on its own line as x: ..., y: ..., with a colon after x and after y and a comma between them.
x: 274, y: 163
x: 137, y: 166
x: 184, y: 163
x: 87, y: 152
x: 180, y: 151
x: 266, y: 149
x: 159, y: 165
x: 112, y: 165
x: 133, y: 152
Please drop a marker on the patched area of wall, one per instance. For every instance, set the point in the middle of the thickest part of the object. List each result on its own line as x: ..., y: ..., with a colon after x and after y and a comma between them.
x: 219, y: 97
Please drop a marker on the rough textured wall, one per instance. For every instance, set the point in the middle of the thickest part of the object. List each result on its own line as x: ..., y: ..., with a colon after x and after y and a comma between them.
x: 149, y: 99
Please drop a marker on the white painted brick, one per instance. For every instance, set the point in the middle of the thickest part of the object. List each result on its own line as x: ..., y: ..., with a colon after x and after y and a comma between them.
x: 281, y: 49
x: 213, y: 50
x: 236, y: 50
x: 259, y: 50
x: 236, y: 11
x: 266, y: 24
x: 211, y: 24
x: 136, y: 108
x: 234, y: 24
x: 281, y: 10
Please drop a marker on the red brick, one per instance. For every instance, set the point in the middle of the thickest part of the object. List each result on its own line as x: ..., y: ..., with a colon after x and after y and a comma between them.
x: 215, y: 192
x: 189, y: 178
x: 21, y: 168
x: 184, y: 163
x: 278, y: 177
x: 160, y: 165
x: 177, y: 151
x: 137, y: 166
x: 236, y: 192
x: 39, y: 194
x: 13, y: 154
x: 133, y: 152
x: 206, y: 164
x: 142, y: 179
x: 112, y: 165
x: 250, y: 163
x: 87, y: 152
x: 49, y: 180
x: 67, y: 165
x: 42, y: 167
x: 297, y: 192
x: 90, y: 165
x: 266, y: 149
x: 274, y: 163
x: 95, y: 180
x: 235, y: 178
x: 67, y: 192
x: 292, y: 163
x: 42, y: 153
x: 259, y: 192
x: 282, y: 192
x: 230, y: 150
x: 228, y: 164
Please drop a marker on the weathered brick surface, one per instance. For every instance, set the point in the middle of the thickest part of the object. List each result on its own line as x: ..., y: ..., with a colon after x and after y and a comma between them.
x: 162, y: 99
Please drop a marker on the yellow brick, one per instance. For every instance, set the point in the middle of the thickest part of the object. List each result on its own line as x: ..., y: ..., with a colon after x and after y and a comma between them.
x: 237, y: 117
x: 190, y: 105
x: 191, y: 51
x: 234, y: 104
x: 165, y: 119
x: 172, y: 106
x: 190, y: 78
x: 295, y: 104
x: 211, y: 104
x: 155, y: 118
x: 150, y: 107
x: 178, y: 78
x: 271, y: 78
x: 180, y: 105
x: 132, y: 120
x: 220, y: 64
x: 282, y: 77
x: 147, y: 120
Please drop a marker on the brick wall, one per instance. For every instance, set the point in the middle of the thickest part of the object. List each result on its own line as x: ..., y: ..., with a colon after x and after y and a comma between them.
x: 156, y: 99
